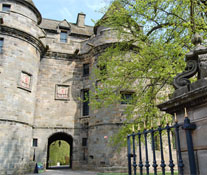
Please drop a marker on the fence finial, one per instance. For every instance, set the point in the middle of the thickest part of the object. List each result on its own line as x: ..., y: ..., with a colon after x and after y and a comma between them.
x: 186, y: 114
x: 176, y: 120
x: 159, y: 121
x: 145, y: 125
x: 133, y: 127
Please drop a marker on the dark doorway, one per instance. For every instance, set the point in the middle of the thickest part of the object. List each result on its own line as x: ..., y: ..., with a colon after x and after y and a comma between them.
x: 61, y: 142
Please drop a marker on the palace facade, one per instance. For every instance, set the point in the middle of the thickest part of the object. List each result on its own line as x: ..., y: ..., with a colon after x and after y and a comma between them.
x: 45, y: 67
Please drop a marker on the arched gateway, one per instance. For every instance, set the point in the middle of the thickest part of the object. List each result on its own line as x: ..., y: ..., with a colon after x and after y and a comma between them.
x: 58, y: 139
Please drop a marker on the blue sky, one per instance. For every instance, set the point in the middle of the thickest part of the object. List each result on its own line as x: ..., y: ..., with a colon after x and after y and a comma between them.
x: 68, y: 9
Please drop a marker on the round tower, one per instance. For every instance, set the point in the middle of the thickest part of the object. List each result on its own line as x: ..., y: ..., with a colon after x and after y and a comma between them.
x: 20, y: 53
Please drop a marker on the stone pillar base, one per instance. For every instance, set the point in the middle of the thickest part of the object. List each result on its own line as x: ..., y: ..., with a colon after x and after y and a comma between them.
x: 195, y: 101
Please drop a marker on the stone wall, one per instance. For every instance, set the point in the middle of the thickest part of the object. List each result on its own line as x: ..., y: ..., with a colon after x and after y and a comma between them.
x: 15, y: 147
x: 195, y: 103
x: 18, y: 76
x: 53, y: 40
x: 17, y: 104
x: 20, y: 17
x: 51, y: 102
x: 44, y: 133
x: 55, y: 115
x: 51, y: 111
x: 102, y: 154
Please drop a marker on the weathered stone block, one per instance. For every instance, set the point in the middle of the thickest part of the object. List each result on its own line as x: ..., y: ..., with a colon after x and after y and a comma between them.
x: 202, y: 159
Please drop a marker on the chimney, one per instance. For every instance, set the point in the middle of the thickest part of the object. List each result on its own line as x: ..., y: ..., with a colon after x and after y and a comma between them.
x: 81, y: 19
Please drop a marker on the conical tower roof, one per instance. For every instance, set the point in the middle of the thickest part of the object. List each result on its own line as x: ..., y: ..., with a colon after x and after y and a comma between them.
x: 31, y: 5
x: 30, y: 1
x: 115, y: 6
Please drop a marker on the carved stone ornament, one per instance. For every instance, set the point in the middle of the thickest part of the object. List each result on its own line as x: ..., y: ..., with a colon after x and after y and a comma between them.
x: 6, y: 30
x: 182, y: 79
x: 196, y: 63
x: 25, y: 81
x: 62, y: 92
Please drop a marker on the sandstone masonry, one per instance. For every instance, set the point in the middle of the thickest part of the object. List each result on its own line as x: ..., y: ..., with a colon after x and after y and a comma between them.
x: 42, y: 79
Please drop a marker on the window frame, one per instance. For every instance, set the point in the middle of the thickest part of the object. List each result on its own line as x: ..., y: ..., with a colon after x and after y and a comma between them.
x: 63, y: 40
x: 86, y: 69
x: 34, y: 142
x: 6, y: 7
x: 126, y: 101
x: 102, y: 69
x: 84, y: 142
x: 85, y: 103
x: 1, y: 45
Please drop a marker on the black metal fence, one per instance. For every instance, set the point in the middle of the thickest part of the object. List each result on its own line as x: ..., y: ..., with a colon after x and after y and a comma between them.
x: 135, y: 141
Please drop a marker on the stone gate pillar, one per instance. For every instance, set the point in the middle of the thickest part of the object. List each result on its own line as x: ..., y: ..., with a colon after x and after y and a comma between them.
x: 193, y: 97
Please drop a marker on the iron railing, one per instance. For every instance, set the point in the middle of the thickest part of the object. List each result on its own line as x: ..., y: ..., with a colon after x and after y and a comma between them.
x: 137, y: 140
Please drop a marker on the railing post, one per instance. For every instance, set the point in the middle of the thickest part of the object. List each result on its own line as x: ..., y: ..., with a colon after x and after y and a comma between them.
x: 171, y: 164
x: 189, y: 127
x: 134, y: 154
x: 163, y: 165
x: 180, y: 160
x: 147, y: 165
x: 140, y: 154
x: 154, y: 165
x: 129, y: 155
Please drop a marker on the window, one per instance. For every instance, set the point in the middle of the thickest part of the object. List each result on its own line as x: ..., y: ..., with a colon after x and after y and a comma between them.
x: 85, y: 95
x: 86, y: 69
x: 84, y: 141
x: 64, y: 36
x: 1, y: 45
x: 103, y: 69
x: 6, y: 7
x: 126, y: 97
x: 35, y: 142
x: 99, y: 85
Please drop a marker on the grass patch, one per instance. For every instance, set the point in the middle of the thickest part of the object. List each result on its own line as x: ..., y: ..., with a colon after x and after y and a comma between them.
x: 112, y: 174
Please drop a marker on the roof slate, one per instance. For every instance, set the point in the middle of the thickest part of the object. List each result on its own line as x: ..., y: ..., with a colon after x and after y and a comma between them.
x: 50, y: 24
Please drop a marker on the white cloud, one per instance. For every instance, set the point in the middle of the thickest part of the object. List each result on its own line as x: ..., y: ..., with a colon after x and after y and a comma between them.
x: 65, y: 13
x: 96, y: 4
x: 68, y: 9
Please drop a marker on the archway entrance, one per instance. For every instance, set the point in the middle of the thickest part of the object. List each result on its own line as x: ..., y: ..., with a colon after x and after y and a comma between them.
x: 59, y: 151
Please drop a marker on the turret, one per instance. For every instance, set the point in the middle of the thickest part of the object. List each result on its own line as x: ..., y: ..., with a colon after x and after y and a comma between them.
x: 20, y: 53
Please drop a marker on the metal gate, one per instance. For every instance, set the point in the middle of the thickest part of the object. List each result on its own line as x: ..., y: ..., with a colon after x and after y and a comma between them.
x: 136, y: 140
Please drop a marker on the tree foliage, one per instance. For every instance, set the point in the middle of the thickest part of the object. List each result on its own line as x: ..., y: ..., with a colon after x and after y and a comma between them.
x: 154, y: 36
x: 59, y: 152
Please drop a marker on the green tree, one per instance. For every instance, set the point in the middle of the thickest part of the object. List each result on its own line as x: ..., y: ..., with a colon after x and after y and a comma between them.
x: 153, y: 38
x: 59, y: 152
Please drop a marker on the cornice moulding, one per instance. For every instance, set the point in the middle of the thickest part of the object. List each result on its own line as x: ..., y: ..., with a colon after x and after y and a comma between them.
x: 5, y: 30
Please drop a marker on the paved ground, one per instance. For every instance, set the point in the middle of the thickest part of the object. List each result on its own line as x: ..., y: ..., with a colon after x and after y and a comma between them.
x: 66, y: 172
